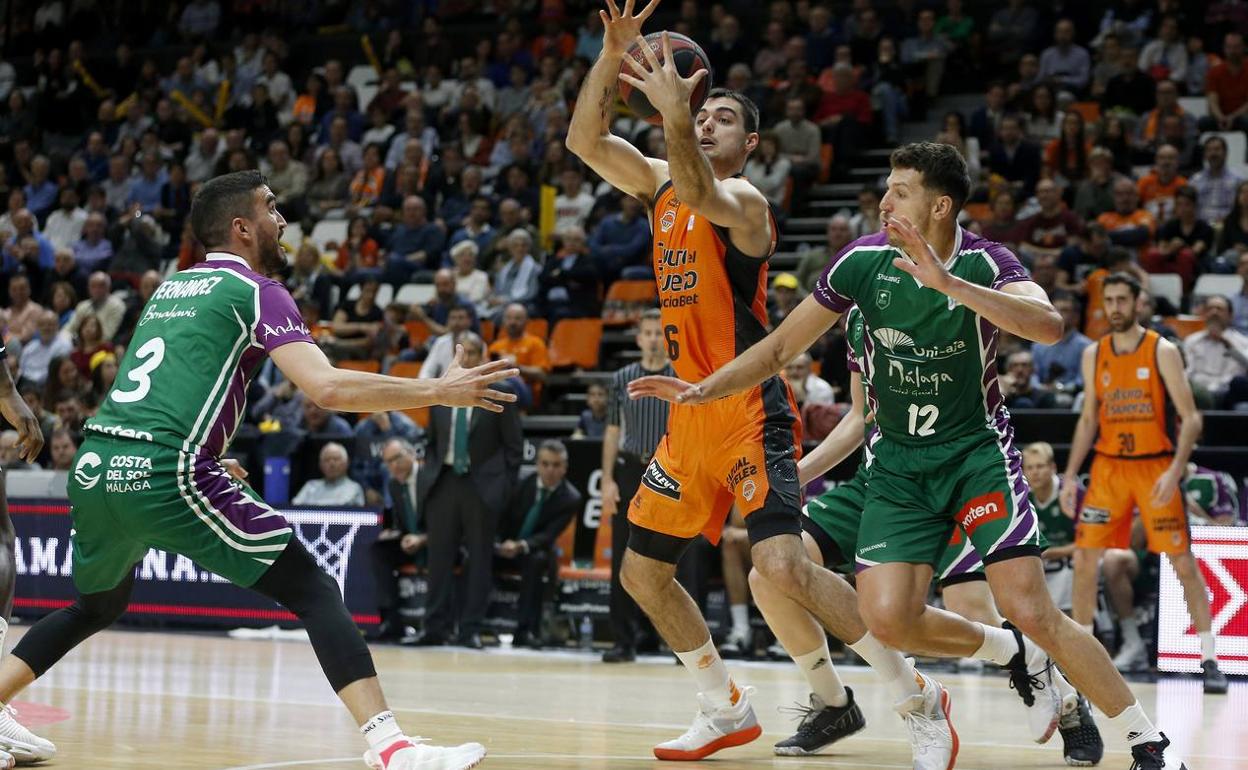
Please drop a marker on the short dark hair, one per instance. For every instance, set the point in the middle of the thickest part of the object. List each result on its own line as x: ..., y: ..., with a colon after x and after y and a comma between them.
x: 219, y: 202
x: 1187, y: 192
x: 749, y: 110
x: 942, y: 166
x: 1124, y: 279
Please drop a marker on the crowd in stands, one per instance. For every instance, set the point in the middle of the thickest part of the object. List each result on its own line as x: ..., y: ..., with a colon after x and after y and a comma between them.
x: 1104, y: 137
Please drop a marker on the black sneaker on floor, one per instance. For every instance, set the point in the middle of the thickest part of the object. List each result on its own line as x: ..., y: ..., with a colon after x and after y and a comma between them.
x: 1081, y: 740
x: 821, y: 726
x: 1215, y: 680
x: 1150, y: 756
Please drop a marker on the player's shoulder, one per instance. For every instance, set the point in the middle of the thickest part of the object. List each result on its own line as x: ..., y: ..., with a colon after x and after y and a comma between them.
x: 991, y: 253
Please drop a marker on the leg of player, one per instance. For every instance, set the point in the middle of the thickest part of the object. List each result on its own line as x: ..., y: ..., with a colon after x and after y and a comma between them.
x: 725, y: 717
x: 298, y: 584
x: 1081, y: 740
x: 1083, y: 596
x: 1121, y: 566
x: 923, y: 702
x: 1197, y: 595
x: 1018, y: 584
x: 735, y: 559
x: 833, y: 714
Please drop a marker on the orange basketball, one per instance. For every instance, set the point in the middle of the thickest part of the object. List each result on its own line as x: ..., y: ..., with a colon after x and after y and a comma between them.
x: 689, y: 58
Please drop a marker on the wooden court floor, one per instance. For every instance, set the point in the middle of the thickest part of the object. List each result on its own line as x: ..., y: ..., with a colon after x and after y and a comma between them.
x: 187, y: 701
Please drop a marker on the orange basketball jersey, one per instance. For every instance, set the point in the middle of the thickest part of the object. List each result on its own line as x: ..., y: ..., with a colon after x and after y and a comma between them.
x: 1132, y: 400
x: 712, y: 296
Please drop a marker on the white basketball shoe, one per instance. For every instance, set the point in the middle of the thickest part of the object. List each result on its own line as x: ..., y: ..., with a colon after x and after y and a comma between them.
x: 24, y: 745
x: 933, y: 741
x: 713, y: 728
x: 414, y: 754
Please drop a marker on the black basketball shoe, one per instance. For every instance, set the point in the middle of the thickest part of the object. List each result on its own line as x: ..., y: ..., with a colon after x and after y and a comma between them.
x: 1150, y: 756
x: 822, y: 725
x: 1081, y: 740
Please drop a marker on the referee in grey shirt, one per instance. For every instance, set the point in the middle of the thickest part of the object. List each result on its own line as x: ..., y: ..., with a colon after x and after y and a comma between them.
x: 634, y: 429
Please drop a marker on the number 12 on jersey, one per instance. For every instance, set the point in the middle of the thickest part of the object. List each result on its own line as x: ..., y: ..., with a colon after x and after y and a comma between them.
x: 928, y: 414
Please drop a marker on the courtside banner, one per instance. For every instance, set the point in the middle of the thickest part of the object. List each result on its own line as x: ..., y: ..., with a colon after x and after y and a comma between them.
x: 173, y: 589
x: 1222, y: 553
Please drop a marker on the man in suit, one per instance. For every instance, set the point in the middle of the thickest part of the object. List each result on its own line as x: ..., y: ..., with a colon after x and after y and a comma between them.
x: 403, y: 538
x: 471, y: 460
x: 540, y: 510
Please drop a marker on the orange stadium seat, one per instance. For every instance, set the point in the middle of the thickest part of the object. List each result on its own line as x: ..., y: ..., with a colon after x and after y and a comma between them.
x: 417, y: 332
x: 1184, y: 325
x: 538, y: 327
x: 626, y: 300
x: 361, y: 365
x: 601, y: 567
x: 1089, y: 111
x: 980, y: 212
x: 575, y: 342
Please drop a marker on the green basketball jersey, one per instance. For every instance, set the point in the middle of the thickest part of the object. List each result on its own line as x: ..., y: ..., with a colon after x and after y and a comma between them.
x: 930, y: 362
x: 200, y: 338
x: 1215, y: 492
x: 1055, y: 525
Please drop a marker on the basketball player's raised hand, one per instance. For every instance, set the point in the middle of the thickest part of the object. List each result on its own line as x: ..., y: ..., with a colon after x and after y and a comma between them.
x: 620, y: 29
x: 923, y: 263
x: 471, y: 387
x: 661, y: 83
x: 670, y: 389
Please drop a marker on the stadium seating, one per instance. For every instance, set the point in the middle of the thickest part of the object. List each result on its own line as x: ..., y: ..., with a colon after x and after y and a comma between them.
x: 575, y: 343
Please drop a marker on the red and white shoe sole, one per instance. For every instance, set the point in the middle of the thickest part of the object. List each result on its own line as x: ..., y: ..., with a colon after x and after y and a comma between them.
x: 946, y: 702
x: 739, y: 738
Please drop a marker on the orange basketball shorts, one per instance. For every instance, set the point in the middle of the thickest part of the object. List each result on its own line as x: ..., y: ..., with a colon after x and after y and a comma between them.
x: 742, y: 449
x: 1117, y: 488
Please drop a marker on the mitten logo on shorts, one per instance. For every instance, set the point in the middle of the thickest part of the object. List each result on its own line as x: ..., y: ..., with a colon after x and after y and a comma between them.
x: 980, y: 510
x: 661, y: 481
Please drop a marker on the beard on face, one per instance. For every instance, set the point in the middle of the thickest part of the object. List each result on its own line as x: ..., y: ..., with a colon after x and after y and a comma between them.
x: 1120, y: 323
x: 272, y: 258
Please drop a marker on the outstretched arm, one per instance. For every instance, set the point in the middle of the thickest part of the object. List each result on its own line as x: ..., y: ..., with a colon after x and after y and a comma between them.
x: 589, y: 131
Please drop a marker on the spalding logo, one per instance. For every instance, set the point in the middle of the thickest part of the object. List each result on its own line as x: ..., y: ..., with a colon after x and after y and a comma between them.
x: 88, y: 462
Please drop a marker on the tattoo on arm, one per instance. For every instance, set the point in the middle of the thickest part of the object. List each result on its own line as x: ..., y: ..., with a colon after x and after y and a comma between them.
x: 604, y: 104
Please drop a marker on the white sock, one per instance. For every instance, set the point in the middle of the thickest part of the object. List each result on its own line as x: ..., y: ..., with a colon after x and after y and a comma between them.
x: 1130, y: 631
x: 999, y: 645
x: 740, y: 620
x: 821, y: 675
x: 889, y: 664
x: 381, y: 731
x: 711, y: 674
x: 1063, y: 685
x: 1135, y: 726
x: 1208, y: 648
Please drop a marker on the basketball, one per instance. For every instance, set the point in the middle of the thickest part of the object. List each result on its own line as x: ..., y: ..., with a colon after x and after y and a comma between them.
x: 689, y: 59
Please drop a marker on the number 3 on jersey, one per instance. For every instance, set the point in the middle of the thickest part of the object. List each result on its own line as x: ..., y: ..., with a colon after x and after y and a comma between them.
x: 151, y: 354
x: 928, y: 414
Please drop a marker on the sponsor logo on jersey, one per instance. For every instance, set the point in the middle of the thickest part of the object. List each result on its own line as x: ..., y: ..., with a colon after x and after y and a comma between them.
x: 82, y: 472
x: 883, y: 298
x: 658, y: 479
x: 1093, y: 515
x: 667, y: 221
x: 173, y: 313
x: 689, y: 227
x: 978, y: 511
x: 892, y: 339
x: 1142, y: 373
x: 117, y: 430
x: 741, y: 470
x: 888, y: 278
x: 128, y: 473
x: 872, y: 547
x: 195, y: 287
x: 912, y: 380
x: 290, y: 327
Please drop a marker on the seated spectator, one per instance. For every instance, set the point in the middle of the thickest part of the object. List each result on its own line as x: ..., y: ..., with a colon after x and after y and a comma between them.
x: 801, y: 145
x: 476, y: 226
x: 593, y: 420
x: 1040, y: 470
x: 69, y: 410
x: 814, y: 261
x: 103, y: 373
x: 1130, y: 91
x: 1128, y: 224
x: 380, y: 129
x: 471, y: 282
x: 926, y: 52
x: 1233, y: 239
x: 149, y: 282
x: 769, y: 171
x: 808, y: 387
x: 985, y: 122
x: 26, y: 227
x: 1239, y: 302
x: 1049, y: 230
x: 63, y: 301
x: 312, y: 420
x: 620, y: 244
x: 1014, y: 158
x: 516, y: 280
x: 1058, y: 365
x: 367, y: 184
x: 403, y: 535
x: 309, y: 280
x: 142, y: 244
x: 1150, y: 127
x: 64, y: 445
x: 415, y: 245
x: 378, y: 428
x: 1003, y: 227
x: 288, y: 179
x: 1215, y: 184
x: 511, y: 215
x: 23, y: 313
x: 10, y: 453
x: 866, y: 220
x: 101, y: 303
x: 1217, y: 357
x: 33, y: 397
x: 330, y: 190
x: 1018, y: 384
x: 145, y: 187
x: 574, y: 201
x: 1095, y: 194
x: 1066, y: 64
x: 1164, y: 58
x: 1158, y: 187
x: 527, y: 352
x: 47, y: 343
x: 334, y: 488
x: 65, y: 382
x: 442, y: 348
x: 843, y: 114
x: 954, y: 134
x: 1146, y: 316
x: 359, y: 256
x: 569, y: 285
x: 1044, y: 120
x: 93, y: 251
x: 1184, y: 243
x: 1066, y: 157
x: 415, y: 131
x: 40, y: 190
x: 64, y: 225
x: 540, y: 509
x: 1226, y: 89
x: 785, y: 296
x: 436, y: 312
x: 357, y: 321
x: 90, y: 340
